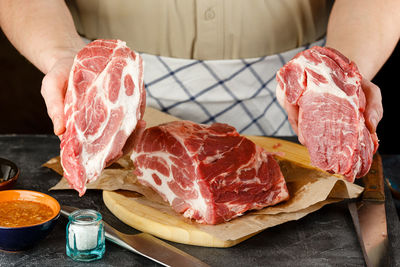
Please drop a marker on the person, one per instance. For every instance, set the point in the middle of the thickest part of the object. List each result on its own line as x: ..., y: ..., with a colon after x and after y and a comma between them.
x: 216, y: 59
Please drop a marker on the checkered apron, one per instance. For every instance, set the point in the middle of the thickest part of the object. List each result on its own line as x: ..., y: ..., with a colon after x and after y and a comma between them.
x: 239, y: 92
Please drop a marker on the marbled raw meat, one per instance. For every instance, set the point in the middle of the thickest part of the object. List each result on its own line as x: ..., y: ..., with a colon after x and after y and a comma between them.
x: 208, y: 173
x: 104, y: 105
x: 326, y: 87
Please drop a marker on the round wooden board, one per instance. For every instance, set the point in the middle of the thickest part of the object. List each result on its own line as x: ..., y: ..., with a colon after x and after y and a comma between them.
x: 147, y: 219
x: 173, y: 228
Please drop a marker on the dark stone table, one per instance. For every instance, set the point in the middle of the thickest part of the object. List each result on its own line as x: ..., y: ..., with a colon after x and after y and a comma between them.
x: 323, y: 238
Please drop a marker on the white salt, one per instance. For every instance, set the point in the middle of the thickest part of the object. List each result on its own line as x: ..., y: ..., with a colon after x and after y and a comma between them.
x: 85, y: 236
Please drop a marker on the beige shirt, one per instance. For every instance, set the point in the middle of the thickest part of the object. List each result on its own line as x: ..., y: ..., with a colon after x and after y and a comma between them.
x: 204, y: 29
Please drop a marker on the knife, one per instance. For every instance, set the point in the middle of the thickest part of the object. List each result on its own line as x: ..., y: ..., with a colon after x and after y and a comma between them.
x: 369, y: 217
x: 146, y: 245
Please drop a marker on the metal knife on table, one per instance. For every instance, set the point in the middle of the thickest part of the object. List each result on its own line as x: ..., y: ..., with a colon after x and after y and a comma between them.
x: 369, y: 217
x: 146, y: 245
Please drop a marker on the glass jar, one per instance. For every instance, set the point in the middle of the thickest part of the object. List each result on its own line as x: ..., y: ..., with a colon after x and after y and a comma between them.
x: 85, y: 235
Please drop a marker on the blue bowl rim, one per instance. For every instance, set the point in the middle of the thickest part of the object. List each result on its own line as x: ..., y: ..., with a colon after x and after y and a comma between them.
x: 55, y: 217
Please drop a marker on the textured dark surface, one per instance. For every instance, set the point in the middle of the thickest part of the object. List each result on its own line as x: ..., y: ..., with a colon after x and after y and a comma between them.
x: 323, y: 238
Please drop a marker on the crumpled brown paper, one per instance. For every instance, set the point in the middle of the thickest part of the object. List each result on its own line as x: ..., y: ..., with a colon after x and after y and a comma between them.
x: 117, y: 176
x: 309, y: 190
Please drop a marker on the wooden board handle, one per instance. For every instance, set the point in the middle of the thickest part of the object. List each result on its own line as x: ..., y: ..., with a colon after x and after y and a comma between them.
x: 373, y: 181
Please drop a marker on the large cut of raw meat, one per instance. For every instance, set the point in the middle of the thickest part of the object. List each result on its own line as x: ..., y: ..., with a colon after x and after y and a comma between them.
x: 326, y: 87
x: 209, y: 173
x: 104, y: 105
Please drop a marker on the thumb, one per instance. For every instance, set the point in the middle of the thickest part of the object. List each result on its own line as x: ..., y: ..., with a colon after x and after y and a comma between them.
x: 373, y: 110
x: 53, y: 90
x: 293, y: 115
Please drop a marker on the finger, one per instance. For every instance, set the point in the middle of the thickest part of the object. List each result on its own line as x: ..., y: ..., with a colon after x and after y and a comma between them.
x: 373, y: 110
x: 53, y: 91
x: 291, y: 110
x: 293, y: 115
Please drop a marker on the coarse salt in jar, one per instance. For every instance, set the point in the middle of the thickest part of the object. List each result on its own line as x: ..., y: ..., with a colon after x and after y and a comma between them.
x: 85, y: 235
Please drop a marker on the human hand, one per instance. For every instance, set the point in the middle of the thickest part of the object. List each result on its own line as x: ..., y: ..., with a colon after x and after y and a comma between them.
x: 292, y: 111
x: 54, y: 86
x: 373, y: 112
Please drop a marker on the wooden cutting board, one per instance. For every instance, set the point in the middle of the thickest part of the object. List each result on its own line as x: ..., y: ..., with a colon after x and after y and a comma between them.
x: 157, y: 223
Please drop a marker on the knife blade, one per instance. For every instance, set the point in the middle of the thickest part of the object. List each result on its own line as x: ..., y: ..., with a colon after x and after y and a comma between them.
x: 146, y: 245
x: 369, y: 217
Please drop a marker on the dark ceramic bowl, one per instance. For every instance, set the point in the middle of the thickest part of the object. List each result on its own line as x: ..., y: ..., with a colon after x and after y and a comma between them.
x: 9, y: 173
x: 21, y: 238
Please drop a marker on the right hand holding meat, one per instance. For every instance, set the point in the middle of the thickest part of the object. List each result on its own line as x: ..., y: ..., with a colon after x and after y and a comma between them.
x: 54, y: 86
x: 332, y: 108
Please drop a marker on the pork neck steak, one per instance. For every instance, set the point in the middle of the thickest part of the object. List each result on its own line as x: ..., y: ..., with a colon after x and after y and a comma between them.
x: 104, y: 105
x: 209, y: 173
x: 326, y: 88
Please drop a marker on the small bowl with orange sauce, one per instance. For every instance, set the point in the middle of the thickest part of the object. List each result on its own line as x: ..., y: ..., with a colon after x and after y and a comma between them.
x: 26, y: 217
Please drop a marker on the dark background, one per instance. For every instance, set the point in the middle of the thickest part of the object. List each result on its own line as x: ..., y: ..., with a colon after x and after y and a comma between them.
x: 23, y: 111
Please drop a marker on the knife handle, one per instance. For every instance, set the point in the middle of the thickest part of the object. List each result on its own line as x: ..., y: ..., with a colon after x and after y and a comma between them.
x: 373, y: 181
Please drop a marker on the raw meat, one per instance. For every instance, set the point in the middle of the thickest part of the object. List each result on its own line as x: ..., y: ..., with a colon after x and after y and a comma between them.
x: 209, y: 173
x: 104, y: 104
x: 326, y: 87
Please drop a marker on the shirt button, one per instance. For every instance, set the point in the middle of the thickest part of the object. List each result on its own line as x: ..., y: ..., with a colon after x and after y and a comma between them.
x: 209, y: 14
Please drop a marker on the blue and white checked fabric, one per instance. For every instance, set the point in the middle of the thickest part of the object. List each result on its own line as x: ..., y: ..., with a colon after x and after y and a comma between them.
x: 239, y: 92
